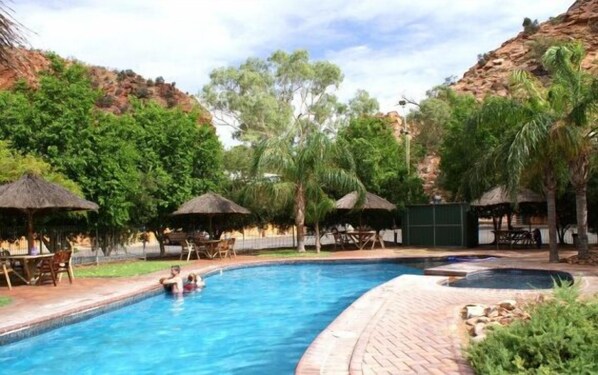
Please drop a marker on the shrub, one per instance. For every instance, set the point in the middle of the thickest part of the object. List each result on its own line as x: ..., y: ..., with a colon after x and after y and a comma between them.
x: 149, y: 82
x: 483, y: 58
x: 142, y: 92
x: 530, y: 27
x: 556, y: 20
x: 560, y: 338
x: 159, y: 80
x: 540, y: 44
x: 105, y: 101
x: 593, y: 25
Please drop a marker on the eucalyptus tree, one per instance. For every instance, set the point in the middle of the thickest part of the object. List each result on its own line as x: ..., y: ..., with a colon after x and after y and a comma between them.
x: 573, y: 94
x: 284, y: 94
x: 310, y: 169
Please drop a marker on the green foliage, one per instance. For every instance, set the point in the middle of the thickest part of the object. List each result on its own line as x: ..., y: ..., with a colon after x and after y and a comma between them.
x: 483, y: 58
x: 540, y: 44
x: 362, y: 104
x: 287, y: 94
x: 432, y: 117
x: 310, y: 168
x: 124, y: 269
x: 5, y: 301
x: 138, y: 167
x: 530, y: 27
x: 380, y: 161
x: 560, y: 338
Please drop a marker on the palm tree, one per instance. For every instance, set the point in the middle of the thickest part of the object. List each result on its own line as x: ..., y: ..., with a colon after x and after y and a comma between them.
x: 304, y: 168
x: 554, y: 126
x: 318, y: 206
x: 574, y: 95
x: 10, y: 34
x: 527, y: 151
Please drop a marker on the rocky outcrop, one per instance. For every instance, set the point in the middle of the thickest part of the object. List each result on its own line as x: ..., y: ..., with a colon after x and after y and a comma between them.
x: 116, y: 86
x: 523, y: 52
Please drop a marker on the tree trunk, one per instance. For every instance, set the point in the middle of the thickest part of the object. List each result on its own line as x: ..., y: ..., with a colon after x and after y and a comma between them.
x: 300, y: 217
x: 581, y: 207
x: 580, y: 172
x: 552, y: 232
x: 159, y: 234
x: 317, y: 230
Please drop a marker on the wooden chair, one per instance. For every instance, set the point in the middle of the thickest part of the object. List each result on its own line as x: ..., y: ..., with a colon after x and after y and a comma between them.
x: 231, y: 247
x: 45, y: 270
x: 188, y: 248
x: 62, y: 264
x: 6, y: 268
x: 222, y: 249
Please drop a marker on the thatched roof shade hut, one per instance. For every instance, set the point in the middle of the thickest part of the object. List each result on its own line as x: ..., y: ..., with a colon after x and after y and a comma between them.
x: 370, y: 202
x: 33, y: 195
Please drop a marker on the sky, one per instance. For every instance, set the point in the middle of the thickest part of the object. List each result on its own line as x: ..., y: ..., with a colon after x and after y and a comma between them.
x: 390, y: 48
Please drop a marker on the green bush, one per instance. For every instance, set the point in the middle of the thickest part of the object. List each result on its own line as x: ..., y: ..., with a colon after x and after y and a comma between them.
x: 560, y: 338
x: 530, y: 27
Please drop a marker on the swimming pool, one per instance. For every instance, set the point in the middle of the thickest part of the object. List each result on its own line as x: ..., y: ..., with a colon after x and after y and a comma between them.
x: 256, y: 320
x: 512, y: 278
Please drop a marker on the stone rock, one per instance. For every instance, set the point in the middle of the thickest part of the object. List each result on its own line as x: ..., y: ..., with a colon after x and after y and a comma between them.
x: 498, y: 61
x: 492, y: 325
x: 508, y: 304
x: 471, y: 321
x: 506, y: 321
x: 479, y: 329
x: 473, y: 311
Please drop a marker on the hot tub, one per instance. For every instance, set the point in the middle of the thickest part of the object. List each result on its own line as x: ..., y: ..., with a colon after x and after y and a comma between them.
x: 512, y: 278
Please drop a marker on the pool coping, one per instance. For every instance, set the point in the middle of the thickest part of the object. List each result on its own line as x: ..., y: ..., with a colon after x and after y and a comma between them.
x: 331, y: 354
x: 34, y: 327
x: 20, y: 331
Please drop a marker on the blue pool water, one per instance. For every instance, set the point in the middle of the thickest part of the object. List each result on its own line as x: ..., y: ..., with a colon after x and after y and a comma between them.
x: 512, y: 278
x: 256, y: 320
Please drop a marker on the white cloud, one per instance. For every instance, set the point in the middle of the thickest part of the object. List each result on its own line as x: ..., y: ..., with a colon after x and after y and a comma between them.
x: 386, y: 47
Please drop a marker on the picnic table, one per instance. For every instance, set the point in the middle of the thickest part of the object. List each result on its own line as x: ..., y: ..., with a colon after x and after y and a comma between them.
x: 513, y: 237
x: 208, y: 247
x: 362, y: 238
x: 29, y: 263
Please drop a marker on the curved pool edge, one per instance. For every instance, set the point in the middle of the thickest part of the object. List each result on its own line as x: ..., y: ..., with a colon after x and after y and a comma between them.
x: 142, y: 287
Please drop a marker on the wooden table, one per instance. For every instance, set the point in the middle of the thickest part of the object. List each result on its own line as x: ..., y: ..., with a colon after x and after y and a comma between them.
x: 361, y: 238
x: 513, y: 237
x: 208, y: 247
x: 29, y: 263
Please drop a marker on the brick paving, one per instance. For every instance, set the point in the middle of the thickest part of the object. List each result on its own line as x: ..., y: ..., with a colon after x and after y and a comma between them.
x: 409, y: 325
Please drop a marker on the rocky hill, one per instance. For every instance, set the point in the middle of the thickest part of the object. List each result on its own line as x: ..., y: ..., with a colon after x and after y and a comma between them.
x: 116, y: 86
x: 523, y: 52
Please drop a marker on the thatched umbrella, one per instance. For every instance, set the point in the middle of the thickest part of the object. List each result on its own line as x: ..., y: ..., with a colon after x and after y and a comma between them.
x: 210, y: 205
x: 497, y: 202
x: 35, y: 196
x: 371, y: 202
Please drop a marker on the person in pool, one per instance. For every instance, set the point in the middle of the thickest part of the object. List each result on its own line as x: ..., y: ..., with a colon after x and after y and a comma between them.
x: 174, y: 283
x: 194, y: 282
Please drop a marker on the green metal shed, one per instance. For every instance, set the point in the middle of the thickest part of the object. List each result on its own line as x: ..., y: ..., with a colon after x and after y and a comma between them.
x: 444, y: 224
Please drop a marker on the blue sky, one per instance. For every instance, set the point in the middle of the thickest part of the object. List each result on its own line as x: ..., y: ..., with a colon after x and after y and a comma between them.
x: 389, y: 48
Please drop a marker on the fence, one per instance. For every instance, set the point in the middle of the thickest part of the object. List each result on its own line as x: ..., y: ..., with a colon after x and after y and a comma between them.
x: 85, y: 255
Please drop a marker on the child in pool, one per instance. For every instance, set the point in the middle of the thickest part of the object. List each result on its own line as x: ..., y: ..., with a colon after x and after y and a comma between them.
x: 194, y: 282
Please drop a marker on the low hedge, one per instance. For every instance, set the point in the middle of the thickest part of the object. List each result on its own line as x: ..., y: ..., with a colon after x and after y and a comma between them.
x: 560, y: 338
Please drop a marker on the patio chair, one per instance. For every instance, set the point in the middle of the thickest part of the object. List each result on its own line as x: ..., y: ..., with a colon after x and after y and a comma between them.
x: 188, y: 248
x: 231, y: 247
x: 45, y: 270
x: 6, y: 268
x: 62, y: 264
x: 222, y: 249
x: 340, y: 239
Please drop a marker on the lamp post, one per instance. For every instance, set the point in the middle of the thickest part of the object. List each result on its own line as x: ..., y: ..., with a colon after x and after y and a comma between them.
x: 405, y: 132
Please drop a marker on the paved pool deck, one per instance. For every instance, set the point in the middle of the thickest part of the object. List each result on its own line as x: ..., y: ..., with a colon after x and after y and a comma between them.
x: 409, y: 325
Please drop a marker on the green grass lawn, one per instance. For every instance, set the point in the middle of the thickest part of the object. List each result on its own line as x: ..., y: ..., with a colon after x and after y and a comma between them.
x: 4, y: 301
x: 124, y: 269
x: 290, y: 253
